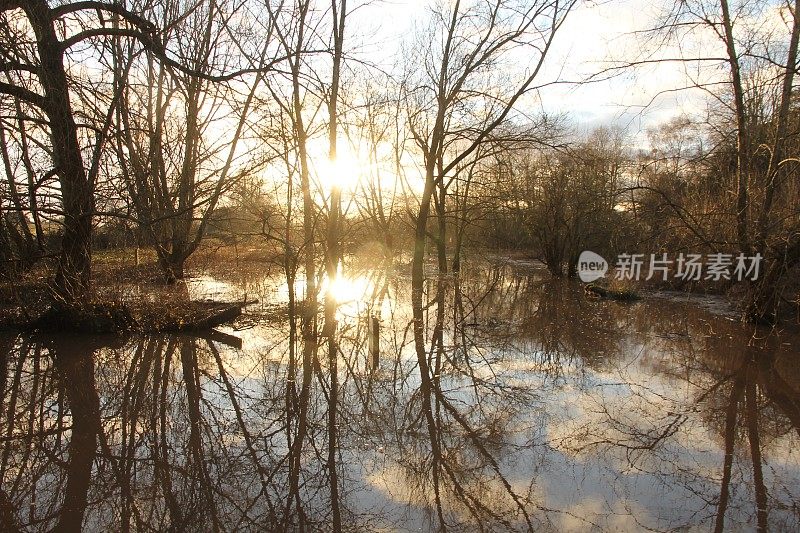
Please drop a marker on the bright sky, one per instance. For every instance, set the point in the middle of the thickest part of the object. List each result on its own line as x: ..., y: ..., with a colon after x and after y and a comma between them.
x: 594, y: 33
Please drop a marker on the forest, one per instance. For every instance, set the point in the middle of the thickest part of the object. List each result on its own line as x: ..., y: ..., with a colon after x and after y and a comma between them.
x: 267, y: 234
x: 159, y: 124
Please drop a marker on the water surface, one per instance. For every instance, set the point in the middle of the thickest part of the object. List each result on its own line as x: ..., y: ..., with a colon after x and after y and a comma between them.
x: 544, y: 410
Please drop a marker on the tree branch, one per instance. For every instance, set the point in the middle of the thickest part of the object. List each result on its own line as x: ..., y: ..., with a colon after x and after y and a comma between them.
x: 23, y: 94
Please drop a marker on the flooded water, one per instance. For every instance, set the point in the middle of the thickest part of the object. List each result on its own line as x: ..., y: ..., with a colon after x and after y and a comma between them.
x: 534, y: 408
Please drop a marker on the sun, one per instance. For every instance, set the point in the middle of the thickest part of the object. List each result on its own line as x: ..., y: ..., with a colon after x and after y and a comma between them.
x: 344, y: 172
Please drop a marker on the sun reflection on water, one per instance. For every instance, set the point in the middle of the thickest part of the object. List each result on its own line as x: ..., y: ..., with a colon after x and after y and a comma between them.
x: 354, y: 294
x: 347, y: 289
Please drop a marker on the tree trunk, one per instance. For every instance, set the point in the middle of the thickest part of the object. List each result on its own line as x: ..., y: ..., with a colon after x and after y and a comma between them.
x: 172, y: 265
x: 742, y: 140
x: 77, y: 191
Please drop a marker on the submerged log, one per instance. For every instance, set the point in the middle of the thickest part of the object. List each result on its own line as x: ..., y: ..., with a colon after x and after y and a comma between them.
x: 189, y: 316
x: 214, y: 317
x: 223, y: 338
x: 622, y: 295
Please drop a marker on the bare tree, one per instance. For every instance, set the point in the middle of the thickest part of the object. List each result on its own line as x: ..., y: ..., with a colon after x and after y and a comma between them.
x: 333, y: 254
x: 758, y: 63
x: 39, y: 78
x: 181, y: 153
x: 455, y: 105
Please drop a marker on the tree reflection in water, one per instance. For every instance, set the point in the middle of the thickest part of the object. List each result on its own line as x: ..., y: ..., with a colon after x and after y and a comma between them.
x: 514, y: 404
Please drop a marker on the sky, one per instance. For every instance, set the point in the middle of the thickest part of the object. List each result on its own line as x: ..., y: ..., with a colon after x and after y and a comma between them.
x: 594, y: 33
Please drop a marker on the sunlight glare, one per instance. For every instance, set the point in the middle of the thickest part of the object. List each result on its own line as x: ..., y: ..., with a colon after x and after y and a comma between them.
x: 343, y: 172
x: 347, y: 290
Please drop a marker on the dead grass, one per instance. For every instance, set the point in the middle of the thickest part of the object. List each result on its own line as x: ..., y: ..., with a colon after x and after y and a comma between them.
x: 28, y: 303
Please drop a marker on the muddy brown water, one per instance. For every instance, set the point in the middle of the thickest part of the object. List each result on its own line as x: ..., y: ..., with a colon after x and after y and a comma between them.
x: 549, y: 411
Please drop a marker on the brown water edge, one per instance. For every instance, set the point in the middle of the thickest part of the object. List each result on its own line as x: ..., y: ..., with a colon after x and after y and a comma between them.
x: 551, y: 411
x: 127, y: 296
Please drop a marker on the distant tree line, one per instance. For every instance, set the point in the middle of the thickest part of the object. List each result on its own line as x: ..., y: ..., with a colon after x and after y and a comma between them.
x: 159, y: 121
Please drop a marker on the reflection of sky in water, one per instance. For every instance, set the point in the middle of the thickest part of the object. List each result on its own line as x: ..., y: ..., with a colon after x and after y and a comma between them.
x: 598, y: 415
x: 579, y: 445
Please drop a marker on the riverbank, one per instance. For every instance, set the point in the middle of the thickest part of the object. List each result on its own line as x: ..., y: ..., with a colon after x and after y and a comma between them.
x: 129, y: 294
